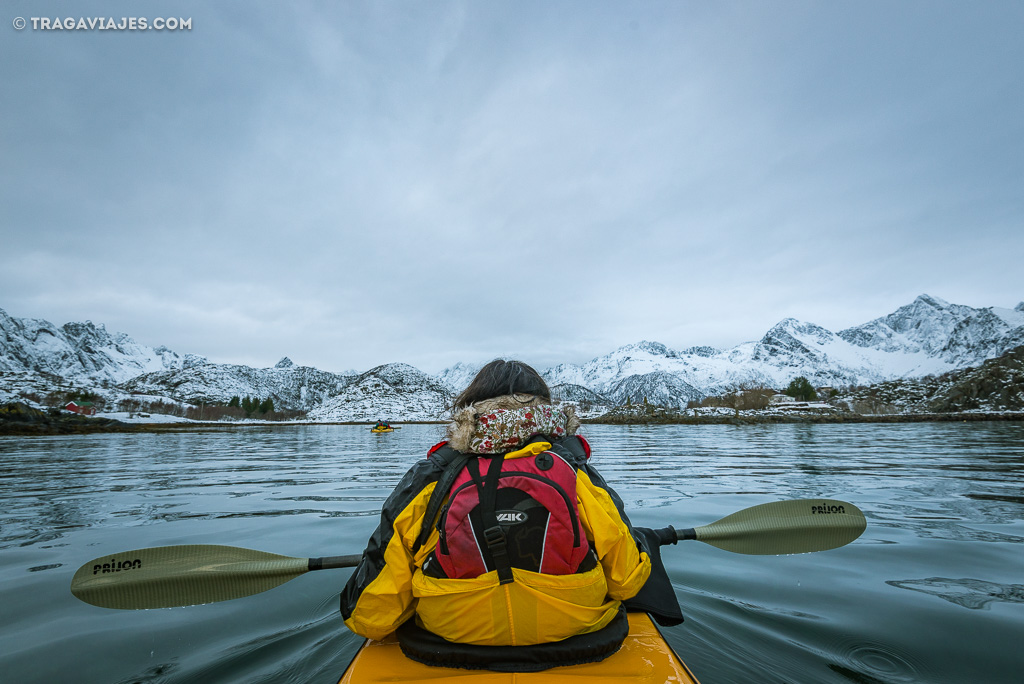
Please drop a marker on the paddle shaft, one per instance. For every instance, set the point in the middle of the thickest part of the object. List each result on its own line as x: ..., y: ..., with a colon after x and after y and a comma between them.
x: 334, y: 562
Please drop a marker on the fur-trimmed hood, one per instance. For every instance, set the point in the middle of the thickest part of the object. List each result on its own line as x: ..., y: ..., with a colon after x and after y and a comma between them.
x: 503, y: 423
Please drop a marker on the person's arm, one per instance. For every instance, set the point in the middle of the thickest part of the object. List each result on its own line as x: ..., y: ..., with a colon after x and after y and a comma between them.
x: 620, y: 551
x: 378, y: 596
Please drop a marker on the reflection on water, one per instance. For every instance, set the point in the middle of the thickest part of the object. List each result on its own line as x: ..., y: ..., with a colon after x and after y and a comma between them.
x: 969, y: 593
x: 943, y: 502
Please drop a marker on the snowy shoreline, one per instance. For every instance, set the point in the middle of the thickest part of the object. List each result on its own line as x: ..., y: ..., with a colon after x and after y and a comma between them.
x: 754, y: 418
x: 22, y: 420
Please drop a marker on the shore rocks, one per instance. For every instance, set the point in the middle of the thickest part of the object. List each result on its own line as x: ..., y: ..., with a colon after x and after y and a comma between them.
x: 21, y: 419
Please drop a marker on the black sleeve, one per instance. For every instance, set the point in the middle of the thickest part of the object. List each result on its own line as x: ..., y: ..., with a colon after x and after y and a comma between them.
x: 657, y: 597
x: 419, y: 476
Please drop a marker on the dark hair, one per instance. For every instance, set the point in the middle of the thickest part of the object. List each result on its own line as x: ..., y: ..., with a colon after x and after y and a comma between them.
x: 499, y: 378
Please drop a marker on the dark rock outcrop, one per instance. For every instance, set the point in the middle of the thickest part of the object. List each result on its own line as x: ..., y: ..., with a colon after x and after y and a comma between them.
x: 995, y: 385
x: 21, y: 419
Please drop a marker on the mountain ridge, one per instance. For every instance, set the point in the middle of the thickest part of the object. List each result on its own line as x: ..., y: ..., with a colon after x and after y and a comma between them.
x: 929, y: 336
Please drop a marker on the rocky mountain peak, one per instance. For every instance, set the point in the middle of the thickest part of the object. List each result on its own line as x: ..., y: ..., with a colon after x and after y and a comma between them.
x: 86, y: 333
x: 924, y: 325
x: 402, y: 374
x: 700, y: 350
x: 189, y: 361
x: 927, y: 300
x: 285, y: 363
x: 791, y: 328
x: 655, y: 348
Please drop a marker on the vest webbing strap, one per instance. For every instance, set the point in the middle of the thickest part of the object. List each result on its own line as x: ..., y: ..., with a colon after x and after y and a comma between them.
x: 441, y: 489
x: 493, y: 534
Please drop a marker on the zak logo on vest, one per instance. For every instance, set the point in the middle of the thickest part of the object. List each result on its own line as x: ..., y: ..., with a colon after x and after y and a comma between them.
x: 511, y: 517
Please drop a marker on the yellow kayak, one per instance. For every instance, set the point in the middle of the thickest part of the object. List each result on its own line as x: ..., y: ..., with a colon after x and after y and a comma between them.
x: 645, y: 656
x: 383, y: 429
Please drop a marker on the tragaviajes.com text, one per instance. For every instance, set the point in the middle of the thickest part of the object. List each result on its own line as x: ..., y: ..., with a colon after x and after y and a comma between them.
x: 109, y: 24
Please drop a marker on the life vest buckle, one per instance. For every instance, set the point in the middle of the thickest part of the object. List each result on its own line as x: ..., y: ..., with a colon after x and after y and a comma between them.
x: 495, y: 538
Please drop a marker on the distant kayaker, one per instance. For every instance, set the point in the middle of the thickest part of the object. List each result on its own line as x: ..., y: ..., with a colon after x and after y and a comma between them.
x: 530, y: 546
x: 381, y: 425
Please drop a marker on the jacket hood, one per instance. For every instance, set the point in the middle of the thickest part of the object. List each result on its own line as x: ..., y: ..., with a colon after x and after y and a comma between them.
x: 503, y: 423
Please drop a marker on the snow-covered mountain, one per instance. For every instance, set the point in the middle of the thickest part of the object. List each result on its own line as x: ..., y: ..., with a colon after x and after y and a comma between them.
x: 960, y: 336
x: 80, y: 353
x: 579, y: 395
x: 997, y: 385
x: 395, y: 391
x: 926, y: 337
x: 458, y: 377
x: 290, y: 386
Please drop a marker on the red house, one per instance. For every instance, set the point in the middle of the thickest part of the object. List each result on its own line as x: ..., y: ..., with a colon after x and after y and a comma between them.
x: 85, y: 408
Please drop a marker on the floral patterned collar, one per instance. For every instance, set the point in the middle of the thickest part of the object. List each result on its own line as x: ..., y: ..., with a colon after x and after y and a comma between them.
x: 497, y: 428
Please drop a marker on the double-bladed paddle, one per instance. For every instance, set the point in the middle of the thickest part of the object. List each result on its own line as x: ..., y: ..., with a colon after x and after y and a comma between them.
x: 169, y: 576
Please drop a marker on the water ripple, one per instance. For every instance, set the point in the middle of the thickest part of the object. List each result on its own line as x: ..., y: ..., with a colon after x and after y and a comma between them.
x: 872, y: 662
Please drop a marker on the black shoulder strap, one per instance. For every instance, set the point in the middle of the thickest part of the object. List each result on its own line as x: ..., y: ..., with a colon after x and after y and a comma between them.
x: 494, y: 536
x: 454, y: 461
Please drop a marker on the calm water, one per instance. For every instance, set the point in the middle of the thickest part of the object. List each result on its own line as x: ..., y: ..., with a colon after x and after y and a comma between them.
x: 933, y: 591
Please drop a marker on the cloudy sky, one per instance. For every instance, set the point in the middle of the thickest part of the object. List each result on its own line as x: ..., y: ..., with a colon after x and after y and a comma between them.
x: 358, y: 183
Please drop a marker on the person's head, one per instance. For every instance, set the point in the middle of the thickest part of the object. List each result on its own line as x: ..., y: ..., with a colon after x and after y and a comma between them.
x: 499, y: 378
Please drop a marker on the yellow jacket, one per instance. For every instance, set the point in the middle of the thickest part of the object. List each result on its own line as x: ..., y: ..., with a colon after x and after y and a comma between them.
x: 389, y: 586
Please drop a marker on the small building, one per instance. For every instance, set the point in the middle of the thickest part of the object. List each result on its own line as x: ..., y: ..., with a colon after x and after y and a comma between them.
x: 84, y: 408
x: 781, y: 399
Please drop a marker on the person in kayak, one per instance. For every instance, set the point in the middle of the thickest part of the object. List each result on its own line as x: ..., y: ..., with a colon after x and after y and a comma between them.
x: 530, y: 547
x: 381, y: 425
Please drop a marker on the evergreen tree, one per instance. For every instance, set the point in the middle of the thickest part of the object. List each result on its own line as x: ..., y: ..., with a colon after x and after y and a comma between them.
x: 267, y: 405
x: 235, y: 402
x: 247, y: 405
x: 801, y: 390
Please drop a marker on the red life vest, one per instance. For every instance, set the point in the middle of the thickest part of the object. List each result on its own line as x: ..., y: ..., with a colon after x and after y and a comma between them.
x: 518, y: 512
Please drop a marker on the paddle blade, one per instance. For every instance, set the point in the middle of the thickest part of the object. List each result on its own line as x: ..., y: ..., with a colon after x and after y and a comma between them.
x: 167, y: 576
x: 783, y: 527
